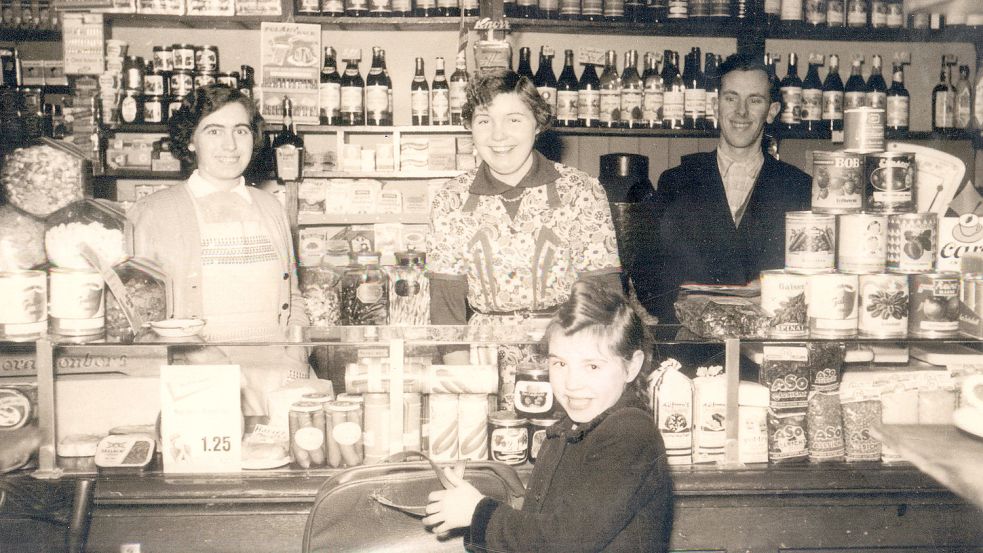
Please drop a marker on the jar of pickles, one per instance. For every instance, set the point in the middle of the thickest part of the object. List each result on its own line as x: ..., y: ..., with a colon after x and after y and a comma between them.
x: 409, y: 290
x: 321, y: 287
x: 308, y: 433
x: 365, y: 292
x: 344, y: 430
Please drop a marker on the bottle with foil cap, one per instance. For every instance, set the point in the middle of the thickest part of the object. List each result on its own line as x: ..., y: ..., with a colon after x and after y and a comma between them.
x: 365, y: 292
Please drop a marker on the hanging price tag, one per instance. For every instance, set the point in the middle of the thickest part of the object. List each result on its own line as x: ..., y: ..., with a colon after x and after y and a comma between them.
x: 201, y: 418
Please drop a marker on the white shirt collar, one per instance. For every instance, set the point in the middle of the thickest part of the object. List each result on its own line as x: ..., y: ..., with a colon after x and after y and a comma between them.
x: 201, y: 187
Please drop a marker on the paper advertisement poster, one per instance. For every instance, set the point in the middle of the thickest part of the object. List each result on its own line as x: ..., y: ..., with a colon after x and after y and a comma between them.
x: 201, y: 418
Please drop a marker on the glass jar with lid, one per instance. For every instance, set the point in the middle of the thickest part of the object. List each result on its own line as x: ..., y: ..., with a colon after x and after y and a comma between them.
x: 97, y: 224
x: 321, y: 287
x: 365, y: 292
x: 409, y: 290
x: 533, y: 396
x: 146, y: 291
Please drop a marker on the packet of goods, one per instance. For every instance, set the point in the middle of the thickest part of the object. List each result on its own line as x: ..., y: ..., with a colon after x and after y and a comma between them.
x: 786, y: 436
x: 721, y: 317
x: 672, y: 403
x: 899, y: 405
x: 752, y: 435
x: 824, y: 417
x: 861, y: 408
x: 709, y: 414
x: 785, y: 371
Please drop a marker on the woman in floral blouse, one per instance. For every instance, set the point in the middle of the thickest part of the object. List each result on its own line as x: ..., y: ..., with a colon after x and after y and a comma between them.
x: 511, y: 237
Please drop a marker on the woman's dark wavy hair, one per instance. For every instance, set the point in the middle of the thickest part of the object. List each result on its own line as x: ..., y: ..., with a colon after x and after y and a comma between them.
x: 607, y: 315
x: 486, y: 85
x: 205, y: 101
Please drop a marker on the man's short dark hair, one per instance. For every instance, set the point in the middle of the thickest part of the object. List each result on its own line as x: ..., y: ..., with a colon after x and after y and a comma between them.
x: 745, y: 62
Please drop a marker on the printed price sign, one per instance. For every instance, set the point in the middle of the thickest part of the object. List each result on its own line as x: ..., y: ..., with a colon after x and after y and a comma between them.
x: 201, y: 418
x: 590, y: 56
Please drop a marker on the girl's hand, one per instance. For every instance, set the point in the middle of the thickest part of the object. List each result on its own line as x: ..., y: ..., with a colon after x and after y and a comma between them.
x: 452, y: 508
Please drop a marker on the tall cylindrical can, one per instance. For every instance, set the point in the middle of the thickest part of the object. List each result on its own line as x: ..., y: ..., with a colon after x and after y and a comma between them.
x: 344, y: 433
x: 783, y: 298
x: 971, y: 292
x: 24, y: 297
x: 442, y: 422
x: 508, y: 438
x: 862, y: 244
x: 889, y: 182
x: 375, y: 427
x: 472, y: 427
x: 810, y: 242
x: 934, y: 311
x: 863, y: 130
x: 837, y: 182
x: 912, y: 242
x: 75, y: 303
x: 833, y: 305
x: 883, y: 310
x: 307, y: 422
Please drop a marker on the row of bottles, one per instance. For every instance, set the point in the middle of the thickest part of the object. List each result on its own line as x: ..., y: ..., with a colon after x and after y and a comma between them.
x: 952, y: 104
x: 388, y: 8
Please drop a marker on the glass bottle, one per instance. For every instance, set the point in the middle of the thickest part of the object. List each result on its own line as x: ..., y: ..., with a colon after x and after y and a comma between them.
x: 329, y: 91
x: 525, y: 67
x: 712, y: 80
x: 674, y: 95
x: 812, y: 98
x: 380, y: 8
x: 458, y: 89
x: 352, y: 95
x: 448, y: 8
x: 567, y: 93
x: 333, y: 8
x: 548, y: 9
x: 896, y: 119
x: 791, y: 12
x: 569, y: 9
x: 402, y: 8
x: 470, y: 8
x: 377, y: 86
x: 876, y: 87
x: 545, y: 78
x: 592, y: 10
x: 425, y: 8
x: 656, y: 11
x: 356, y: 8
x: 653, y: 94
x: 440, y: 96
x: 857, y: 13
x: 610, y: 114
x: 791, y: 88
x: 855, y: 91
x: 589, y: 97
x: 964, y: 99
x: 247, y: 82
x: 419, y: 96
x: 365, y: 292
x: 631, y: 92
x: 527, y: 9
x: 288, y: 146
x: 614, y: 10
x: 695, y: 94
x: 833, y: 97
x: 943, y: 103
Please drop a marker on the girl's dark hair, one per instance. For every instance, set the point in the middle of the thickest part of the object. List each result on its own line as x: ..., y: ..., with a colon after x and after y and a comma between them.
x: 608, y: 316
x: 205, y: 101
x: 486, y: 85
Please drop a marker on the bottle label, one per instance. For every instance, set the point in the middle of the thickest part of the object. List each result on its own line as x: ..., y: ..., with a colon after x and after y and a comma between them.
x: 895, y: 15
x: 402, y: 6
x: 566, y: 105
x: 351, y: 99
x: 309, y: 6
x: 440, y: 106
x: 376, y: 100
x: 963, y: 109
x: 361, y: 5
x: 631, y: 105
x: 856, y: 15
x: 458, y: 95
x: 812, y: 104
x: 129, y: 109
x: 832, y: 105
x: 878, y: 14
x: 815, y: 12
x: 897, y: 112
x: 712, y: 98
x: 944, y: 117
x: 853, y: 100
x: 332, y: 6
x: 678, y: 9
x: 552, y: 6
x: 695, y: 102
x: 791, y: 10
x: 791, y: 105
x: 548, y: 94
x: 288, y: 159
x: 876, y: 100
x: 592, y: 7
x: 532, y: 397
x: 369, y: 293
x: 610, y: 106
x: 426, y: 4
x: 673, y: 107
x: 447, y: 4
x: 588, y: 105
x: 570, y: 7
x: 420, y: 103
x: 835, y: 15
x: 380, y: 6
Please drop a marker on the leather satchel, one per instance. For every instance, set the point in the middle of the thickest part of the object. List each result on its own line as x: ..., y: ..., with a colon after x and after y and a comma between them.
x: 378, y: 508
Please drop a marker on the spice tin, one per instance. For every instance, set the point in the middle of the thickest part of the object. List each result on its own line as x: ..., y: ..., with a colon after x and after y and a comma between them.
x: 228, y: 79
x: 862, y: 244
x: 537, y: 435
x: 75, y: 302
x: 344, y: 432
x: 472, y: 427
x: 206, y: 58
x: 912, y: 241
x: 810, y: 242
x: 163, y: 58
x: 533, y: 395
x: 508, y: 438
x: 883, y: 309
x: 153, y: 109
x: 863, y: 130
x: 307, y: 434
x: 783, y: 298
x: 442, y: 415
x: 182, y: 82
x: 15, y: 408
x: 934, y: 309
x: 889, y: 182
x: 24, y: 296
x: 205, y: 79
x: 156, y: 83
x: 184, y: 57
x: 832, y: 300
x: 837, y: 182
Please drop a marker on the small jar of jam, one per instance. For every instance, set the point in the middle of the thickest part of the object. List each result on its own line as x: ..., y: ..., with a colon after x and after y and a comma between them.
x: 508, y: 438
x: 537, y: 435
x: 533, y: 395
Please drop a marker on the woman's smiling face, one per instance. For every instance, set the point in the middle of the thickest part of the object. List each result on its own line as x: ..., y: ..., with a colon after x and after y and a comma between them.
x: 504, y: 133
x: 223, y: 145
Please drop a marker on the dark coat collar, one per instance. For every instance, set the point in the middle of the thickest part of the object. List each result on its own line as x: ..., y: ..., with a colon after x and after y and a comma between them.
x: 542, y: 172
x: 566, y: 427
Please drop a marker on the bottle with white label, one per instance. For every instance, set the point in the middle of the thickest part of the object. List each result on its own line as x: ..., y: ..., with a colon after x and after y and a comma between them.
x: 833, y: 97
x: 440, y: 96
x: 419, y: 96
x: 458, y: 89
x: 610, y: 114
x: 898, y: 107
x: 631, y: 92
x: 589, y: 97
x: 329, y: 91
x: 695, y: 92
x: 545, y: 79
x: 943, y: 103
x: 566, y: 94
x: 377, y: 87
x: 653, y: 93
x: 812, y: 98
x: 791, y: 88
x: 352, y: 95
x: 855, y: 92
x: 876, y: 87
x: 673, y: 98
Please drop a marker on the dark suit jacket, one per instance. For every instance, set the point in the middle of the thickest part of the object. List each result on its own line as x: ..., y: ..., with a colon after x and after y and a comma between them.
x: 695, y: 239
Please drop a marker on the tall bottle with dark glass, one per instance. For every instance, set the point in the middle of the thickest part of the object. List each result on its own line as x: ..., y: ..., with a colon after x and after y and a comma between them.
x: 898, y: 105
x: 833, y: 97
x: 653, y: 94
x: 288, y: 146
x: 352, y: 95
x: 567, y: 94
x: 791, y: 88
x: 812, y: 98
x: 712, y: 79
x: 876, y: 87
x: 855, y: 91
x: 545, y: 78
x: 695, y: 93
x: 525, y: 63
x: 963, y: 100
x: 589, y: 97
x: 377, y: 87
x: 631, y: 92
x: 458, y: 89
x: 610, y: 114
x: 329, y: 92
x: 943, y: 103
x: 674, y: 95
x: 440, y: 96
x: 419, y: 96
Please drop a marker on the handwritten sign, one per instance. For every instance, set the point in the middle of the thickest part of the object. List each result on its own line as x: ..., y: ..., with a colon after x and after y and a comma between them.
x: 201, y: 420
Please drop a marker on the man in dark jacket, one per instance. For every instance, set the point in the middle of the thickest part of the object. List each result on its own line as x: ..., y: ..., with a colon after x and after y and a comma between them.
x: 721, y: 215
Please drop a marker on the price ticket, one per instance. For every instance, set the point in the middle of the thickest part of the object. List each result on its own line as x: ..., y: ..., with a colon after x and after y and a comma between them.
x: 201, y: 418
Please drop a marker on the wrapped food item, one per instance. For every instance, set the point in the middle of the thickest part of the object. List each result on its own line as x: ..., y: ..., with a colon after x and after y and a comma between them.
x: 785, y: 372
x: 786, y: 436
x: 672, y: 404
x: 824, y: 416
x: 44, y: 178
x: 97, y: 224
x: 722, y: 317
x: 146, y: 290
x: 21, y: 240
x: 709, y: 414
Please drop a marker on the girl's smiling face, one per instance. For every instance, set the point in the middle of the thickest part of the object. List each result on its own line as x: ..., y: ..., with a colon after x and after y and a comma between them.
x: 586, y: 376
x: 504, y: 133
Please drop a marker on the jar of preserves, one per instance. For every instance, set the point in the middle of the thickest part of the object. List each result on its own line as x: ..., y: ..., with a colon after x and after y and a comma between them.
x: 508, y: 438
x: 184, y: 57
x: 533, y: 395
x: 409, y: 290
x: 182, y: 82
x: 206, y: 58
x: 156, y: 83
x: 204, y: 79
x: 365, y: 292
x: 164, y: 58
x: 154, y: 110
x: 230, y: 80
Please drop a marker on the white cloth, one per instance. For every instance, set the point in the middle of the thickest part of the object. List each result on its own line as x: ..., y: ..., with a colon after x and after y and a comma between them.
x: 739, y: 177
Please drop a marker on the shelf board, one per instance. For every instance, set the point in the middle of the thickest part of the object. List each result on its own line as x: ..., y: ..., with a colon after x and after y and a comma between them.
x: 189, y: 21
x: 804, y: 31
x: 29, y: 35
x: 723, y: 28
x: 383, y: 175
x: 362, y: 218
x: 386, y: 23
x: 139, y: 128
x: 367, y: 129
x: 140, y: 174
x: 665, y: 133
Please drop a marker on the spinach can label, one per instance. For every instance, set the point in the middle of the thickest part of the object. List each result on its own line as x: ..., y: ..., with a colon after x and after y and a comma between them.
x: 837, y: 182
x: 934, y: 309
x: 883, y: 306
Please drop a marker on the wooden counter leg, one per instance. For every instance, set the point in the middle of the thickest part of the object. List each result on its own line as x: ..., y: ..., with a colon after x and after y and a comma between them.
x: 78, y: 526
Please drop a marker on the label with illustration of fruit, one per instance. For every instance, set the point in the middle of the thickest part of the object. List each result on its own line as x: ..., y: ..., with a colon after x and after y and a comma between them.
x: 912, y: 240
x: 810, y: 241
x: 832, y: 305
x: 532, y: 397
x: 934, y: 310
x: 837, y: 182
x: 883, y: 308
x: 889, y: 182
x: 509, y: 445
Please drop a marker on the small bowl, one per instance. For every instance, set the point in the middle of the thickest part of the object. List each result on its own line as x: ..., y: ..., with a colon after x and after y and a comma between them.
x: 178, y: 328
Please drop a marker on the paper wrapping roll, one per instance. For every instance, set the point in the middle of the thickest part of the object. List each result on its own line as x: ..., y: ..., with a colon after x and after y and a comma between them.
x: 472, y: 427
x: 442, y: 415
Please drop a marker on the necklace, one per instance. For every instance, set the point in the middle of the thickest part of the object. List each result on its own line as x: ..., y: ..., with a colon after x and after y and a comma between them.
x: 510, y: 200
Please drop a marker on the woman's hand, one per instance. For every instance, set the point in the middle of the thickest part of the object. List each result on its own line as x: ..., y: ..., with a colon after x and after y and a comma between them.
x: 452, y: 508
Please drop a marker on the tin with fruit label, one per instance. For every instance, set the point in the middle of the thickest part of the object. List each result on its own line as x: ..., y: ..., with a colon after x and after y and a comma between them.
x: 912, y: 241
x: 783, y: 298
x: 934, y: 311
x: 533, y: 395
x: 837, y: 182
x: 883, y: 309
x: 810, y: 242
x: 832, y: 305
x: 889, y: 182
x: 24, y: 297
x: 508, y: 438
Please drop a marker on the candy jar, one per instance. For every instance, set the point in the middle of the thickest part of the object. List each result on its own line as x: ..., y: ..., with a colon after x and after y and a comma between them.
x: 146, y: 290
x: 365, y: 292
x: 95, y: 223
x: 409, y: 290
x: 321, y: 287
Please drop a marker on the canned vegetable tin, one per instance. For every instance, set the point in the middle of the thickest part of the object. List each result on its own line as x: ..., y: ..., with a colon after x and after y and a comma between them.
x: 912, y: 241
x: 862, y: 244
x: 75, y: 303
x: 934, y: 305
x: 837, y: 182
x: 24, y: 296
x: 508, y: 438
x: 810, y: 242
x: 889, y: 182
x: 832, y: 308
x: 883, y: 311
x: 783, y: 298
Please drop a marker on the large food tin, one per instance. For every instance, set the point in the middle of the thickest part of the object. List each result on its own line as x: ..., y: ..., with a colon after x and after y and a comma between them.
x: 863, y: 130
x: 934, y: 311
x: 75, y: 302
x: 889, y: 182
x: 508, y: 438
x: 912, y: 241
x: 883, y: 306
x: 23, y: 305
x: 862, y: 243
x: 832, y: 300
x: 810, y: 242
x: 783, y: 298
x: 184, y: 57
x: 206, y: 58
x: 837, y: 182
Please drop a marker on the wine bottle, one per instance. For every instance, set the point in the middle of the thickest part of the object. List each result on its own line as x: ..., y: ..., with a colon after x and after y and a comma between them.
x: 656, y: 11
x: 567, y: 93
x: 470, y: 8
x: 389, y: 85
x: 548, y: 9
x: 569, y: 9
x: 898, y: 107
x: 812, y: 98
x: 610, y: 114
x: 380, y: 8
x: 589, y: 97
x: 592, y: 10
x: 876, y: 87
x: 545, y: 78
x: 791, y: 88
x: 614, y: 10
x: 356, y: 8
x: 419, y: 96
x: 712, y: 79
x: 525, y: 67
x: 674, y: 95
x: 631, y: 92
x: 288, y: 146
x: 857, y: 14
x: 352, y: 95
x: 329, y: 91
x: 653, y: 93
x: 458, y: 89
x: 964, y: 96
x: 333, y: 8
x: 377, y: 85
x: 772, y: 10
x: 425, y: 8
x: 448, y: 8
x: 855, y: 92
x: 833, y: 97
x: 943, y: 103
x: 528, y: 9
x: 440, y: 96
x: 402, y: 8
x: 695, y: 92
